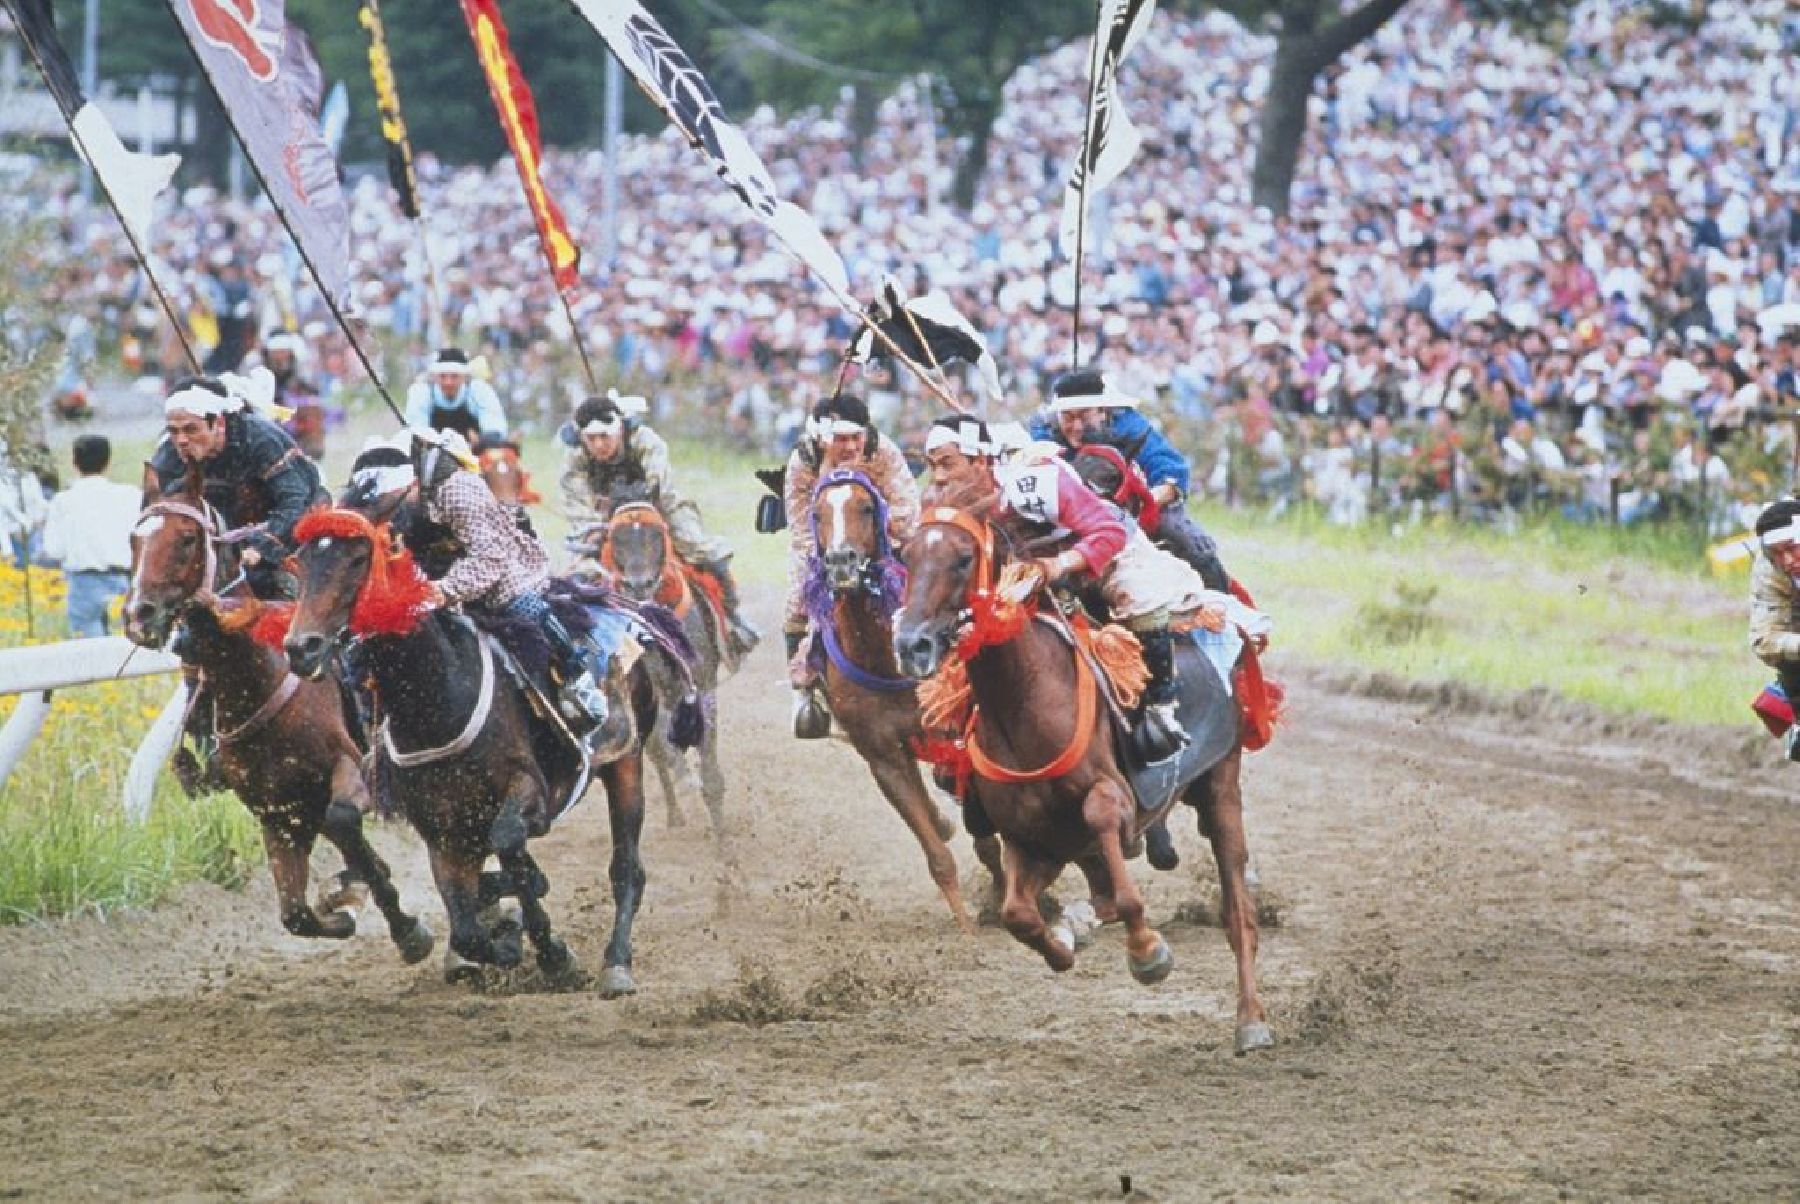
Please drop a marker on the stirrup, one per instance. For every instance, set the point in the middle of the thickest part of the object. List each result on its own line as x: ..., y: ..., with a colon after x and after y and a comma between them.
x: 1159, y: 734
x: 582, y: 702
x: 812, y: 719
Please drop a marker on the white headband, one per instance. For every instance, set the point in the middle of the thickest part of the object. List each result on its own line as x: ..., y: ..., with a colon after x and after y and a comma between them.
x: 201, y: 402
x: 966, y: 438
x: 450, y: 368
x: 386, y: 479
x: 604, y: 426
x: 1782, y: 535
x: 822, y: 429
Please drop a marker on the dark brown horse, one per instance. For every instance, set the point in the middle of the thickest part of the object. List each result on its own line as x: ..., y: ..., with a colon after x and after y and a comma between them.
x: 852, y: 588
x: 284, y: 745
x: 638, y: 556
x: 460, y: 752
x: 1047, y: 772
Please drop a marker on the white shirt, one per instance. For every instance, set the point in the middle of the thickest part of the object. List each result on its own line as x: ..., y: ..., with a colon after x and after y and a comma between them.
x: 89, y: 525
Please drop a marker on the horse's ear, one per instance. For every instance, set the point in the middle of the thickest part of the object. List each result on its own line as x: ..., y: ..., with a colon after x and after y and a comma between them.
x: 194, y: 483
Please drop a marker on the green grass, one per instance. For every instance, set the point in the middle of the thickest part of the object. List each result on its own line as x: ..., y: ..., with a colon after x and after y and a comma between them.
x: 1554, y: 607
x: 66, y: 846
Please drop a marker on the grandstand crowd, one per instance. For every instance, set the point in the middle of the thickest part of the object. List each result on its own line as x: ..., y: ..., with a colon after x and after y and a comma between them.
x: 1519, y: 273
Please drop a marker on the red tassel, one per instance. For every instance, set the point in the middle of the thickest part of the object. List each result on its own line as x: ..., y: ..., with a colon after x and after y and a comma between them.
x: 271, y: 627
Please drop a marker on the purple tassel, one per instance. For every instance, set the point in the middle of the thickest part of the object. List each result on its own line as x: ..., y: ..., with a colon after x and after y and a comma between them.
x: 687, y: 726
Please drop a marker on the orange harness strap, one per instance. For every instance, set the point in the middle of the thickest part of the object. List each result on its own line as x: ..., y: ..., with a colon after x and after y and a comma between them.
x: 1086, y: 700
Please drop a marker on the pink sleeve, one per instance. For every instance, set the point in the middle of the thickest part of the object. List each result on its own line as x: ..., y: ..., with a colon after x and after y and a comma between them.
x: 1099, y: 531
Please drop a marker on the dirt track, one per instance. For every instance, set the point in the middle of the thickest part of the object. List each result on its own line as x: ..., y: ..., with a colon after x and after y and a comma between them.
x: 1512, y: 961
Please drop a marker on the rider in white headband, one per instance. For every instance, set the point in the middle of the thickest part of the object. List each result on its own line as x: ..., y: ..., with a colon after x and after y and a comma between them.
x: 1775, y: 601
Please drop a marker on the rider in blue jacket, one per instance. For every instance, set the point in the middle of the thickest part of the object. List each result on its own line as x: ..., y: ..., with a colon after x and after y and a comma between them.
x: 1085, y: 409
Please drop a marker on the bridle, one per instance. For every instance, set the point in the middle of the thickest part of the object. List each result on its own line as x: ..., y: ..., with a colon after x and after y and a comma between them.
x: 212, y: 534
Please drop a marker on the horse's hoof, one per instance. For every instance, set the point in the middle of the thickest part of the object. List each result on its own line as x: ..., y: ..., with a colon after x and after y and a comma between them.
x: 1252, y: 1037
x: 415, y: 943
x: 1079, y: 920
x: 616, y: 981
x: 1153, y: 971
x: 508, y: 940
x: 337, y: 925
x: 945, y: 822
x: 459, y: 969
x: 1159, y: 848
x: 555, y: 960
x: 348, y: 895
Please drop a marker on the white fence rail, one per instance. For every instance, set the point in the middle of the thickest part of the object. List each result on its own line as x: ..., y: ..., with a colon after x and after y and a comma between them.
x: 39, y: 671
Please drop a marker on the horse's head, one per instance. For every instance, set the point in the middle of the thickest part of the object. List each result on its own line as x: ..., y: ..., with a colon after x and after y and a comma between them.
x: 949, y: 568
x: 849, y: 528
x: 637, y: 550
x: 506, y: 476
x: 175, y: 562
x: 354, y: 576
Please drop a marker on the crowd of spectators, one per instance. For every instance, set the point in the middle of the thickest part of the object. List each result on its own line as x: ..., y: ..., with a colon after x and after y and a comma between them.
x: 1519, y: 271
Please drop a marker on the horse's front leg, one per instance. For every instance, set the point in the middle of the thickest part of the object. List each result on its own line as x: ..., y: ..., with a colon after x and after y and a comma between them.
x: 624, y: 781
x: 1218, y: 797
x: 1108, y: 812
x: 1027, y: 877
x: 344, y: 828
x: 507, y: 837
x: 897, y: 775
x: 472, y: 946
x: 665, y: 757
x: 288, y: 851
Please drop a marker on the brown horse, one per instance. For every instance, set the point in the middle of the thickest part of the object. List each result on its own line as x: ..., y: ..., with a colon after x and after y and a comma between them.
x: 852, y: 588
x: 460, y: 751
x: 1047, y: 771
x: 284, y: 745
x: 505, y: 475
x: 636, y: 553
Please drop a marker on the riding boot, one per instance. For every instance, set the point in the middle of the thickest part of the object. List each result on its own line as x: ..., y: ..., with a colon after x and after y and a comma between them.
x: 742, y: 635
x: 1159, y: 733
x: 581, y: 701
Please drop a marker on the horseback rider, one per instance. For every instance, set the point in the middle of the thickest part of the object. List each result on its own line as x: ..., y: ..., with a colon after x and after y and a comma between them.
x: 251, y: 469
x: 1775, y: 601
x: 499, y: 569
x: 251, y: 473
x: 452, y: 397
x: 838, y: 435
x: 1143, y: 586
x: 1085, y: 409
x: 613, y: 454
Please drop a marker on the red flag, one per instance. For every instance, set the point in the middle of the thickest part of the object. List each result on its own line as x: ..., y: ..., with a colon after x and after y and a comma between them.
x: 518, y: 117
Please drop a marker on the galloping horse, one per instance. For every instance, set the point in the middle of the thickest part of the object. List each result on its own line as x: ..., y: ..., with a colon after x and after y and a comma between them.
x: 637, y: 553
x: 284, y: 746
x: 1062, y: 794
x: 505, y: 475
x: 463, y: 757
x: 852, y: 589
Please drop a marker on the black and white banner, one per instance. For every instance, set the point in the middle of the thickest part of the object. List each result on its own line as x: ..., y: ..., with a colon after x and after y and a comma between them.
x: 672, y: 82
x: 1110, y: 141
x: 927, y: 330
x: 131, y: 180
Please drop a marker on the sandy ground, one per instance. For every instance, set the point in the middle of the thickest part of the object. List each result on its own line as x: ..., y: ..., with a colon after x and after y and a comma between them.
x: 1517, y: 957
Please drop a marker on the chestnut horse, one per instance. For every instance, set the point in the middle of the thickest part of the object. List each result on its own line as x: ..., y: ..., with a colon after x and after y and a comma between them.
x: 1047, y: 771
x: 852, y: 588
x: 638, y: 557
x: 284, y: 745
x: 460, y: 751
x: 505, y: 475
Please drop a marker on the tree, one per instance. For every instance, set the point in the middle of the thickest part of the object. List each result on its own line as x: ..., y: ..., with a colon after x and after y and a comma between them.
x: 970, y: 48
x: 1310, y: 36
